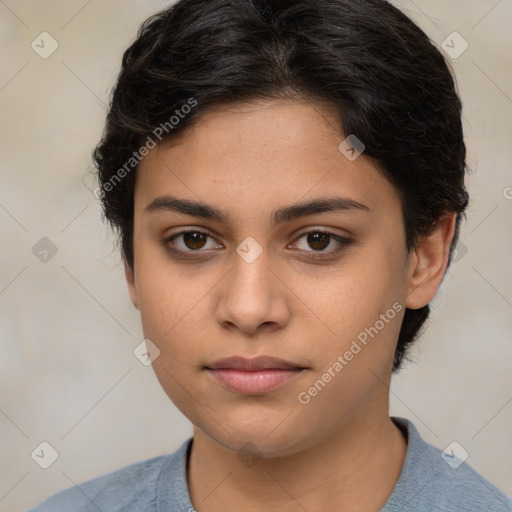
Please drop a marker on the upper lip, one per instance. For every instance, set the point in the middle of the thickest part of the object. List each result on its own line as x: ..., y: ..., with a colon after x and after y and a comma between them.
x: 256, y: 363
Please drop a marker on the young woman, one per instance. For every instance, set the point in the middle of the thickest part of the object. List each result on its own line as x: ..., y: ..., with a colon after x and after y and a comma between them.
x: 287, y: 180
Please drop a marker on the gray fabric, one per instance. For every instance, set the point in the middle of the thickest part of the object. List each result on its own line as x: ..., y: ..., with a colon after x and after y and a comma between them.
x: 426, y: 483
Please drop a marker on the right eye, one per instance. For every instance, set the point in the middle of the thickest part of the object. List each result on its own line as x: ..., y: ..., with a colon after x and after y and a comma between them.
x: 188, y: 242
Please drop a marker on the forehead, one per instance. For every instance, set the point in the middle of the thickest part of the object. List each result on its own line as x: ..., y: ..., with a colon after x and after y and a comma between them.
x: 261, y: 155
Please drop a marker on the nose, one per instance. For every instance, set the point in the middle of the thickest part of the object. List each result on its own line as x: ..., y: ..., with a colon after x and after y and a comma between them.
x: 254, y: 298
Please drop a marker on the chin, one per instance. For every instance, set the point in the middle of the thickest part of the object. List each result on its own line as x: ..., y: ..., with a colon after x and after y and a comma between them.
x: 257, y: 436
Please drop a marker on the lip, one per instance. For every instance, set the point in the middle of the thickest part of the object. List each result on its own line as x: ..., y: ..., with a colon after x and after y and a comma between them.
x: 253, y: 364
x: 253, y: 376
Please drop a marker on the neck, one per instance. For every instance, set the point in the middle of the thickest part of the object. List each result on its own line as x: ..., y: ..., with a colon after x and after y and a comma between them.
x: 355, y: 468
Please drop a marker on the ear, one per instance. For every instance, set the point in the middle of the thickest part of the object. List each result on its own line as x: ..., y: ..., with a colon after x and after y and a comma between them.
x: 428, y: 263
x: 130, y: 279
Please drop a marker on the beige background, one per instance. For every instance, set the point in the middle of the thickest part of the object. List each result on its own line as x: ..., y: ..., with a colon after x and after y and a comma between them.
x: 68, y: 374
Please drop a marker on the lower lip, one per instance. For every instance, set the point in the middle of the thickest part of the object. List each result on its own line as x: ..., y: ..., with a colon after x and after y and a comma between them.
x: 253, y: 382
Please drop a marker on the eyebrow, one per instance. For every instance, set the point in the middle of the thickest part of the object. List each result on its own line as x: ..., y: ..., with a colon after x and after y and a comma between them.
x: 286, y: 214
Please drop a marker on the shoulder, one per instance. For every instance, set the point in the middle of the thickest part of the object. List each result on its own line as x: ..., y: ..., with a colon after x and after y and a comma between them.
x: 433, y: 478
x: 462, y: 488
x: 129, y: 489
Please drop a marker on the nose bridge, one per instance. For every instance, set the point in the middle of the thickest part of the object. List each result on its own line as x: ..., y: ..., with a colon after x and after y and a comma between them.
x: 251, y: 294
x: 249, y: 281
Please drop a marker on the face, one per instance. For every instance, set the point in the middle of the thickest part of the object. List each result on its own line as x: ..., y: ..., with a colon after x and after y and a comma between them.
x: 311, y: 286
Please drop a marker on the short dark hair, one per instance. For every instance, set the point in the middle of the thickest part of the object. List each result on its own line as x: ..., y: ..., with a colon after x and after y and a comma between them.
x: 393, y: 87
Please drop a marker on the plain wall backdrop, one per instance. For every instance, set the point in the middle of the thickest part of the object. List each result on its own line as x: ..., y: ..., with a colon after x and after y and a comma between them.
x: 68, y: 329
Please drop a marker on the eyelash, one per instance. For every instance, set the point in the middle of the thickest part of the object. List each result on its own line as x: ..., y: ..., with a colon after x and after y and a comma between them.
x: 315, y: 256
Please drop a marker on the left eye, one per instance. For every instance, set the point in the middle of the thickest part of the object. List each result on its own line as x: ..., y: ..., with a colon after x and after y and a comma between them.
x: 321, y: 240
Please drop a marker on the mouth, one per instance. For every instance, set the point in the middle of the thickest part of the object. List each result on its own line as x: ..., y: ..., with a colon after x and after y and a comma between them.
x: 253, y: 376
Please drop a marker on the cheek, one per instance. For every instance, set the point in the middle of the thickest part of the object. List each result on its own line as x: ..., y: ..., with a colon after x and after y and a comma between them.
x: 165, y: 291
x: 360, y: 307
x: 176, y: 313
x: 363, y: 310
x: 351, y: 297
x: 170, y: 305
x: 172, y: 315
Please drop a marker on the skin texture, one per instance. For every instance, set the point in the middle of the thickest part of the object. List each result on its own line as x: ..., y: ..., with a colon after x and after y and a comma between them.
x: 340, y: 451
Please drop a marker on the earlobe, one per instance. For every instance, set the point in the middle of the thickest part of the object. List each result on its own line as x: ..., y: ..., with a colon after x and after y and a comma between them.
x: 130, y: 280
x: 428, y: 263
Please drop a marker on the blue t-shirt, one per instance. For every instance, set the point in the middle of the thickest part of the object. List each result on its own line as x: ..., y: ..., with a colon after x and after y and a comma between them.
x: 427, y: 482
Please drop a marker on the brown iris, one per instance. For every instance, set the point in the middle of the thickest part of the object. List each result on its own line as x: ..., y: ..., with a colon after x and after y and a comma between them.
x: 194, y: 240
x: 318, y: 241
